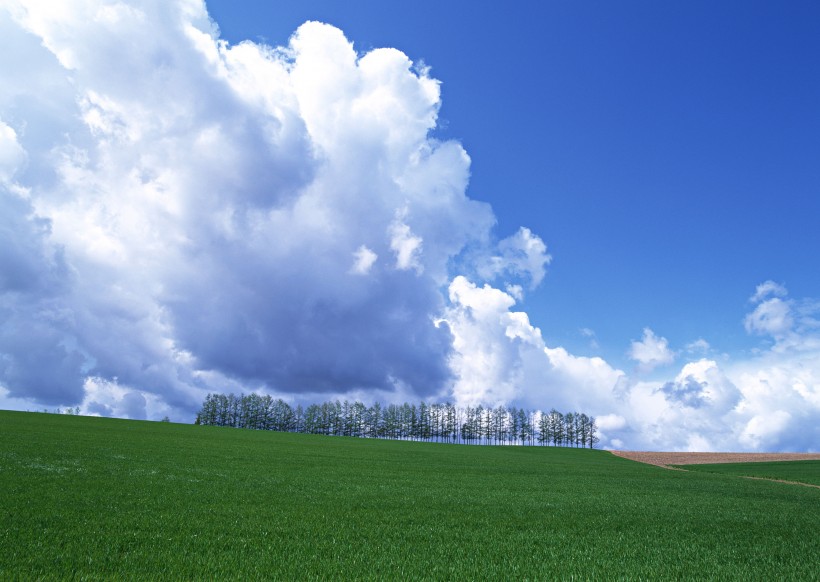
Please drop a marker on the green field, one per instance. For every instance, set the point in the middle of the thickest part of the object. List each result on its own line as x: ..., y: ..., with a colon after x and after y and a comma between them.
x: 93, y: 498
x: 796, y: 471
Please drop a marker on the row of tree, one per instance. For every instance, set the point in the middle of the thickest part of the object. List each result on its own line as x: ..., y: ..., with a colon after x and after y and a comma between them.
x: 424, y: 422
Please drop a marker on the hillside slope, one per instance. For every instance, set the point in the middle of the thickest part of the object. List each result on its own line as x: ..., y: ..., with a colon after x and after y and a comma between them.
x: 101, y: 498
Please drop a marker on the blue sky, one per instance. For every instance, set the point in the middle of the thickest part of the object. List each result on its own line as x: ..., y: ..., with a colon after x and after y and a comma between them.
x: 666, y: 153
x: 608, y: 207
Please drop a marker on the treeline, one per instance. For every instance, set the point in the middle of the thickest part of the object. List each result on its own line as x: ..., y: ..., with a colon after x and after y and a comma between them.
x: 444, y: 423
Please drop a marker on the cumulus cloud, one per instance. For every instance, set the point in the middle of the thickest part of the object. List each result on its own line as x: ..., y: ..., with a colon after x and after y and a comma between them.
x: 523, y: 255
x: 702, y: 384
x: 780, y: 407
x: 364, y: 259
x: 405, y: 245
x: 651, y: 351
x: 11, y: 153
x: 788, y: 323
x: 184, y: 215
x: 500, y: 357
x: 770, y: 401
x: 770, y: 317
x: 679, y: 416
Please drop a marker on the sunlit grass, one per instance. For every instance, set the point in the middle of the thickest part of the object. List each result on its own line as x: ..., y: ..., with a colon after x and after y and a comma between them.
x: 101, y: 498
x: 796, y: 471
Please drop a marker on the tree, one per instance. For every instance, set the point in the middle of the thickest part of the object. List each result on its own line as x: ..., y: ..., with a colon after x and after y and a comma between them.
x: 525, y: 428
x: 425, y: 421
x: 569, y: 428
x: 557, y: 424
x: 488, y: 425
x: 501, y: 424
x: 373, y: 421
x: 424, y: 429
x: 592, y: 427
x: 299, y: 419
x: 582, y: 430
x: 544, y: 429
x: 452, y: 423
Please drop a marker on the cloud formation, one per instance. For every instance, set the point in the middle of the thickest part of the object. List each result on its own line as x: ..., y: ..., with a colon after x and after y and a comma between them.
x: 179, y: 215
x: 651, y: 351
x: 196, y: 216
x: 767, y: 401
x: 500, y: 357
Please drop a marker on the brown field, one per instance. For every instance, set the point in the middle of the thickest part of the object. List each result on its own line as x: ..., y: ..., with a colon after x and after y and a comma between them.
x: 666, y: 459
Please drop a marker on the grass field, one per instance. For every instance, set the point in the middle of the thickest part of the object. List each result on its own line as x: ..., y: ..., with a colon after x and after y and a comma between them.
x: 101, y: 498
x: 796, y: 471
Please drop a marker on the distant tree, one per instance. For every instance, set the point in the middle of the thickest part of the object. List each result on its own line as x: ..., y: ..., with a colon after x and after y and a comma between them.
x: 544, y: 435
x: 467, y: 430
x: 592, y: 437
x: 425, y: 421
x: 569, y: 428
x: 299, y: 419
x: 452, y: 423
x: 359, y: 412
x: 501, y: 429
x: 557, y: 425
x: 436, y: 421
x: 373, y: 421
x: 582, y: 429
x: 488, y: 425
x: 525, y: 427
x: 312, y: 419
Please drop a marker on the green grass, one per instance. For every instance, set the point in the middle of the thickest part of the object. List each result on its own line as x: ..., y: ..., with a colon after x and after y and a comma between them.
x: 93, y: 498
x: 797, y: 471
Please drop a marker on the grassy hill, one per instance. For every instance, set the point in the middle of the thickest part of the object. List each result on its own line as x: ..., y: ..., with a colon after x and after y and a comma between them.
x: 807, y: 472
x: 100, y: 498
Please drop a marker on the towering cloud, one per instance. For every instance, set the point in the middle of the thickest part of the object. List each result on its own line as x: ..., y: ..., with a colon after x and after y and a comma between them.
x: 195, y: 216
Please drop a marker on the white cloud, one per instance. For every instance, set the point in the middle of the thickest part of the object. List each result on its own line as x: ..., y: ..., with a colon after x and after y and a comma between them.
x: 699, y: 346
x: 515, y: 291
x: 364, y: 260
x: 764, y: 427
x: 523, y: 254
x: 651, y: 351
x: 108, y: 398
x: 791, y: 324
x: 769, y: 402
x: 771, y: 317
x: 777, y: 386
x: 485, y: 360
x: 500, y: 357
x: 702, y: 384
x: 610, y: 422
x: 200, y: 213
x: 591, y: 336
x: 768, y: 289
x: 12, y: 154
x: 405, y: 245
